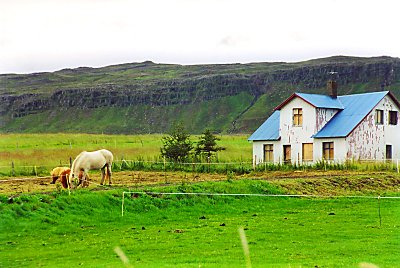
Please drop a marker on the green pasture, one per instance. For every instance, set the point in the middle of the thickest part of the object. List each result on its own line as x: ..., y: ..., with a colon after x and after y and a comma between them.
x: 84, y: 228
x: 39, y: 153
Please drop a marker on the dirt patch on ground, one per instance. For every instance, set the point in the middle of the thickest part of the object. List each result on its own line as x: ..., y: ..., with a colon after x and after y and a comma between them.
x: 295, y: 182
x: 10, y: 186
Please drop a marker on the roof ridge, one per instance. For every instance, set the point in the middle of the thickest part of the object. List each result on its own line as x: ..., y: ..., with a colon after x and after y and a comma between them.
x: 374, y: 92
x: 365, y: 93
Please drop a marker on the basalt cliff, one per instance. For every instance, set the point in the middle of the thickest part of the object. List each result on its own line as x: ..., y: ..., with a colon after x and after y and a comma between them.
x: 147, y: 97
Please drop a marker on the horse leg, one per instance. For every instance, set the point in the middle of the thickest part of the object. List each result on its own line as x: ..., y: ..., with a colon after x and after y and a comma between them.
x: 81, y: 176
x: 109, y: 174
x: 69, y: 182
x: 55, y: 178
x: 103, y: 174
x: 86, y: 181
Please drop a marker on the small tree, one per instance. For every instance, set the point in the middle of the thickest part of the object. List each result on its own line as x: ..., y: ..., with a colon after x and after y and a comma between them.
x: 207, y: 144
x: 177, y: 145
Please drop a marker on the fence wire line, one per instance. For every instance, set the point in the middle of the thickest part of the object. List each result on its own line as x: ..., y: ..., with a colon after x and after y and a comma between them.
x: 255, y: 195
x: 138, y: 161
x: 266, y: 195
x: 392, y: 161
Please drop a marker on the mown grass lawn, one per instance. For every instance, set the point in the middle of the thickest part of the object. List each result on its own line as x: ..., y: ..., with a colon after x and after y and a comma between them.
x: 83, y: 229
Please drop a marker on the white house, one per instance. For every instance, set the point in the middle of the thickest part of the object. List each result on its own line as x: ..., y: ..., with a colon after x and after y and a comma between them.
x: 311, y: 127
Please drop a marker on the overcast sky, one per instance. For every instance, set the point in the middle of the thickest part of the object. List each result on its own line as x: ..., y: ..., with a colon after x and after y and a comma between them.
x: 48, y: 35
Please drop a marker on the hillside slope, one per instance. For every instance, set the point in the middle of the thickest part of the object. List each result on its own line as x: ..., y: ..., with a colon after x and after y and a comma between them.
x: 147, y: 97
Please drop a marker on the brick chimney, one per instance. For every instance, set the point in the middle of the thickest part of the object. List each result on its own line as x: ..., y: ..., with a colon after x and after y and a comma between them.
x: 332, y: 88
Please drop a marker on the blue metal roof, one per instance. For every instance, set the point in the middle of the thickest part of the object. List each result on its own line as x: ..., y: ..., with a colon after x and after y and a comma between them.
x: 356, y: 108
x: 353, y: 109
x: 269, y: 130
x: 321, y: 101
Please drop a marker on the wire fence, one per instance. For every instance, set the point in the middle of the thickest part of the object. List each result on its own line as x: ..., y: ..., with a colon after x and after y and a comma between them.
x: 239, y: 167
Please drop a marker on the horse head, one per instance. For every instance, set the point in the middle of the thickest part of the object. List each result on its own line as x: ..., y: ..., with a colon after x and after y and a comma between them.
x: 75, y: 179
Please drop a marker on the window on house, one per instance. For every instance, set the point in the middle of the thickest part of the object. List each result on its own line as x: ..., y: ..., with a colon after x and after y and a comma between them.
x: 268, y: 153
x: 327, y: 150
x: 307, y: 152
x: 388, y: 152
x: 287, y: 153
x: 379, y: 117
x: 393, y: 117
x: 297, y: 117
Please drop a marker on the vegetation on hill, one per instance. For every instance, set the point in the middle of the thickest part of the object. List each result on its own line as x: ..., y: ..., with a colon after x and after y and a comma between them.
x: 147, y: 97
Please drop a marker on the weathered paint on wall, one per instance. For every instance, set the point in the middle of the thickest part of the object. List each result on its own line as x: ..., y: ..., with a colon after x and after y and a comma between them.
x: 368, y: 140
x: 295, y: 136
x: 322, y: 117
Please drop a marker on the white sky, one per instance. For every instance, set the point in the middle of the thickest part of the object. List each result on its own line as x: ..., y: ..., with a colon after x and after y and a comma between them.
x: 48, y: 35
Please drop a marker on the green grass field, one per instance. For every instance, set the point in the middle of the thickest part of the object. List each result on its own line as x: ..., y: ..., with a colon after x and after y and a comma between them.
x: 45, y: 151
x: 55, y: 229
x: 38, y: 154
x: 84, y: 228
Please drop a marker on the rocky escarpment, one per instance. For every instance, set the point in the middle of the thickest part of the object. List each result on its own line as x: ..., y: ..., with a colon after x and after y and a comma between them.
x: 174, y: 92
x: 154, y: 85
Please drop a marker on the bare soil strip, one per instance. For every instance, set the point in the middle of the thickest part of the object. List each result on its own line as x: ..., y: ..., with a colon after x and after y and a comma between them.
x: 139, y: 179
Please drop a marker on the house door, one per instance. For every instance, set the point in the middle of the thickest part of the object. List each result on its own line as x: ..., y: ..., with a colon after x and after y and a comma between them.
x: 287, y: 153
x: 388, y: 152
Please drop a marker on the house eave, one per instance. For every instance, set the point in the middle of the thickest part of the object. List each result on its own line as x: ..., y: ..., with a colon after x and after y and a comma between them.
x: 278, y: 139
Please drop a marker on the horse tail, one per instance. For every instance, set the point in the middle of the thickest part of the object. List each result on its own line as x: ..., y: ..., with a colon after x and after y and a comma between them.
x: 109, y: 158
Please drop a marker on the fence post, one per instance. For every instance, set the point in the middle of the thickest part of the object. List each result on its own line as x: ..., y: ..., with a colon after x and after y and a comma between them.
x: 379, y: 211
x: 122, y: 207
x: 165, y: 171
x: 12, y: 168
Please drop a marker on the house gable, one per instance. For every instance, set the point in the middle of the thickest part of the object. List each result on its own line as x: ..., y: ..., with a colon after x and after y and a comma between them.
x: 292, y: 133
x: 368, y: 139
x: 318, y: 101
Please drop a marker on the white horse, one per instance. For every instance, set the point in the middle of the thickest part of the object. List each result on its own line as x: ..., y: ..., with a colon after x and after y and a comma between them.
x: 85, y: 161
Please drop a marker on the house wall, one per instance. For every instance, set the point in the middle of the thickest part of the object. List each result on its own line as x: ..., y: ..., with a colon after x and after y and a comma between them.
x: 339, y: 149
x: 258, y: 151
x: 368, y: 140
x: 295, y: 136
x: 313, y: 120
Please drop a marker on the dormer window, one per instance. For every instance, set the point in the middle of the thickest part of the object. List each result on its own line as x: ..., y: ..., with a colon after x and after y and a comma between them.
x: 297, y: 117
